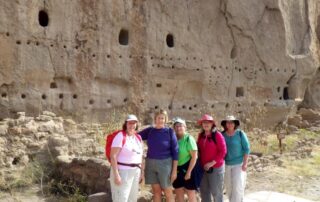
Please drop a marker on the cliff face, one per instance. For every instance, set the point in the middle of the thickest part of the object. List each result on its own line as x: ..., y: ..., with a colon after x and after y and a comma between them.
x: 86, y: 58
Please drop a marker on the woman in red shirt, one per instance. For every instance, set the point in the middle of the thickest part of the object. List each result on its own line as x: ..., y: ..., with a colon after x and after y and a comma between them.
x: 212, y: 150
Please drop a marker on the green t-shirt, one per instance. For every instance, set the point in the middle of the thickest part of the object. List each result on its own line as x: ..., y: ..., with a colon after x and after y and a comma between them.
x: 186, y: 144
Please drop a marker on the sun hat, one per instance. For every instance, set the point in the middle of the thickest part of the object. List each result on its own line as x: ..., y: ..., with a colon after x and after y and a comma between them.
x: 206, y: 117
x: 132, y: 117
x: 179, y: 120
x: 230, y: 118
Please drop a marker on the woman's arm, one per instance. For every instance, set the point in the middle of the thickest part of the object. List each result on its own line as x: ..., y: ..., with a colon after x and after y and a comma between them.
x: 246, y: 149
x: 194, y: 156
x: 222, y: 147
x: 144, y: 133
x: 174, y: 170
x: 114, y: 164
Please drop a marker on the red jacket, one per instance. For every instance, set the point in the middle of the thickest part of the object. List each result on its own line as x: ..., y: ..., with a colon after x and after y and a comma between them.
x: 209, y: 150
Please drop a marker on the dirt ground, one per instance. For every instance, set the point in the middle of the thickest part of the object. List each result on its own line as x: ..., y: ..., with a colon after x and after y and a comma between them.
x: 296, y: 177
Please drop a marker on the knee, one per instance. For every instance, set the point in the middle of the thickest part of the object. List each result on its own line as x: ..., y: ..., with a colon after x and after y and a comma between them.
x: 157, y: 191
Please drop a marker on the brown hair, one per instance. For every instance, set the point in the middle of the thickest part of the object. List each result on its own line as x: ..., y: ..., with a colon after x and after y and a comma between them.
x: 124, y: 126
x: 163, y: 112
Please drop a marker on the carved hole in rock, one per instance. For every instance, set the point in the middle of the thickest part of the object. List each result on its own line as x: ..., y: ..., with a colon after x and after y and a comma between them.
x: 227, y: 105
x: 125, y: 100
x: 37, y: 43
x: 3, y: 95
x: 278, y: 89
x: 156, y: 107
x: 91, y: 102
x: 190, y: 108
x: 285, y: 93
x: 7, y: 34
x: 53, y: 85
x: 108, y: 56
x: 16, y: 160
x: 23, y: 96
x: 233, y: 53
x: 142, y: 100
x: 239, y: 92
x: 280, y: 98
x: 170, y: 41
x: 28, y: 42
x: 18, y: 42
x: 64, y: 46
x: 198, y: 69
x: 159, y: 85
x: 120, y: 56
x: 212, y: 106
x: 183, y: 106
x: 172, y: 66
x: 169, y: 107
x: 109, y: 101
x: 124, y: 37
x: 60, y: 95
x: 75, y: 96
x: 43, y: 18
x: 44, y: 96
x: 195, y: 106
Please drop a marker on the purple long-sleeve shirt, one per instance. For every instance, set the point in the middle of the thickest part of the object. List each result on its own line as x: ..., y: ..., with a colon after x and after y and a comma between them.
x: 162, y: 143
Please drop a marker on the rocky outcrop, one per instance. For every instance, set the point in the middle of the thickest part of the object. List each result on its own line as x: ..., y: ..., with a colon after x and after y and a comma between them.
x: 86, y: 59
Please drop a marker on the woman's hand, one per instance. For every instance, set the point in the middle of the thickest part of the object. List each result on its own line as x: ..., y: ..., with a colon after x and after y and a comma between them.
x: 141, y: 177
x: 187, y: 176
x: 173, y: 176
x: 244, y: 167
x: 117, y: 179
x: 208, y: 165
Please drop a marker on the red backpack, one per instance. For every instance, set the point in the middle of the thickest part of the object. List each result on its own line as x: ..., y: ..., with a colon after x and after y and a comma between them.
x: 109, y: 140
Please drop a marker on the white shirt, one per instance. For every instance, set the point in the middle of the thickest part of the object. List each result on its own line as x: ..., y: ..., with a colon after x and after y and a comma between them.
x: 131, y: 151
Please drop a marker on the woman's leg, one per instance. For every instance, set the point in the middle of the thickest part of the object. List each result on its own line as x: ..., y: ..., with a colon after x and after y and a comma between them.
x: 156, y: 189
x: 228, y: 181
x: 179, y: 194
x: 205, y: 189
x: 168, y: 193
x: 238, y: 181
x: 133, y: 196
x: 191, y: 195
x: 120, y: 193
x: 216, y: 184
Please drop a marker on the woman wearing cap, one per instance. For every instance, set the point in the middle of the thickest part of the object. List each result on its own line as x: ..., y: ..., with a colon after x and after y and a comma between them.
x: 212, y: 150
x: 162, y: 157
x: 236, y: 158
x: 187, y: 160
x: 126, y: 159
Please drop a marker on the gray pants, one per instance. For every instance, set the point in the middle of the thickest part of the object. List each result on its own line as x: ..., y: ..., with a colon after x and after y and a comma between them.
x: 212, y: 185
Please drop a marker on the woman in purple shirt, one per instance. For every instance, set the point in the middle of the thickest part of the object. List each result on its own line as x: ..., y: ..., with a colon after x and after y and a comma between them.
x: 162, y: 157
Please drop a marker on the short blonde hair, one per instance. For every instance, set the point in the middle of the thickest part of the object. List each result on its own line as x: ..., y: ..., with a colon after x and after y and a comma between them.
x: 163, y: 112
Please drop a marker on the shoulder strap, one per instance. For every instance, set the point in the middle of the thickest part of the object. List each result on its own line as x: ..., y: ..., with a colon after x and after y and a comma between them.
x: 124, y: 135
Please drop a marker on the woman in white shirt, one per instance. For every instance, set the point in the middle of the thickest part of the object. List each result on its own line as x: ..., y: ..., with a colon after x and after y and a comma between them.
x: 126, y: 160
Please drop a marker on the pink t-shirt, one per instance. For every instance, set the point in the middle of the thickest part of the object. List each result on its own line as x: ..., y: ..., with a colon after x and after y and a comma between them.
x: 131, y: 151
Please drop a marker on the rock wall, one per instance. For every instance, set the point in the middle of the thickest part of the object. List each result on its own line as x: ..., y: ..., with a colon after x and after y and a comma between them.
x: 85, y: 58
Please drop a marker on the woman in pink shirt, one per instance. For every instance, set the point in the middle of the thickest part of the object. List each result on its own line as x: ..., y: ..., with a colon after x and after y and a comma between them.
x: 126, y: 160
x: 212, y: 150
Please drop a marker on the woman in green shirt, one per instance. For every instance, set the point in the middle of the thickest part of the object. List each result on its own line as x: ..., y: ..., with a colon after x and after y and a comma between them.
x: 186, y: 177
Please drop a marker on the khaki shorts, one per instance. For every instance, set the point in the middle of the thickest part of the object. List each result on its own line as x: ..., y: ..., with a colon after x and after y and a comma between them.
x: 158, y: 171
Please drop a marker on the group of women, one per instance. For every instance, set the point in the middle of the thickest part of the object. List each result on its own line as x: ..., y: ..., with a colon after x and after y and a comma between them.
x: 175, y: 159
